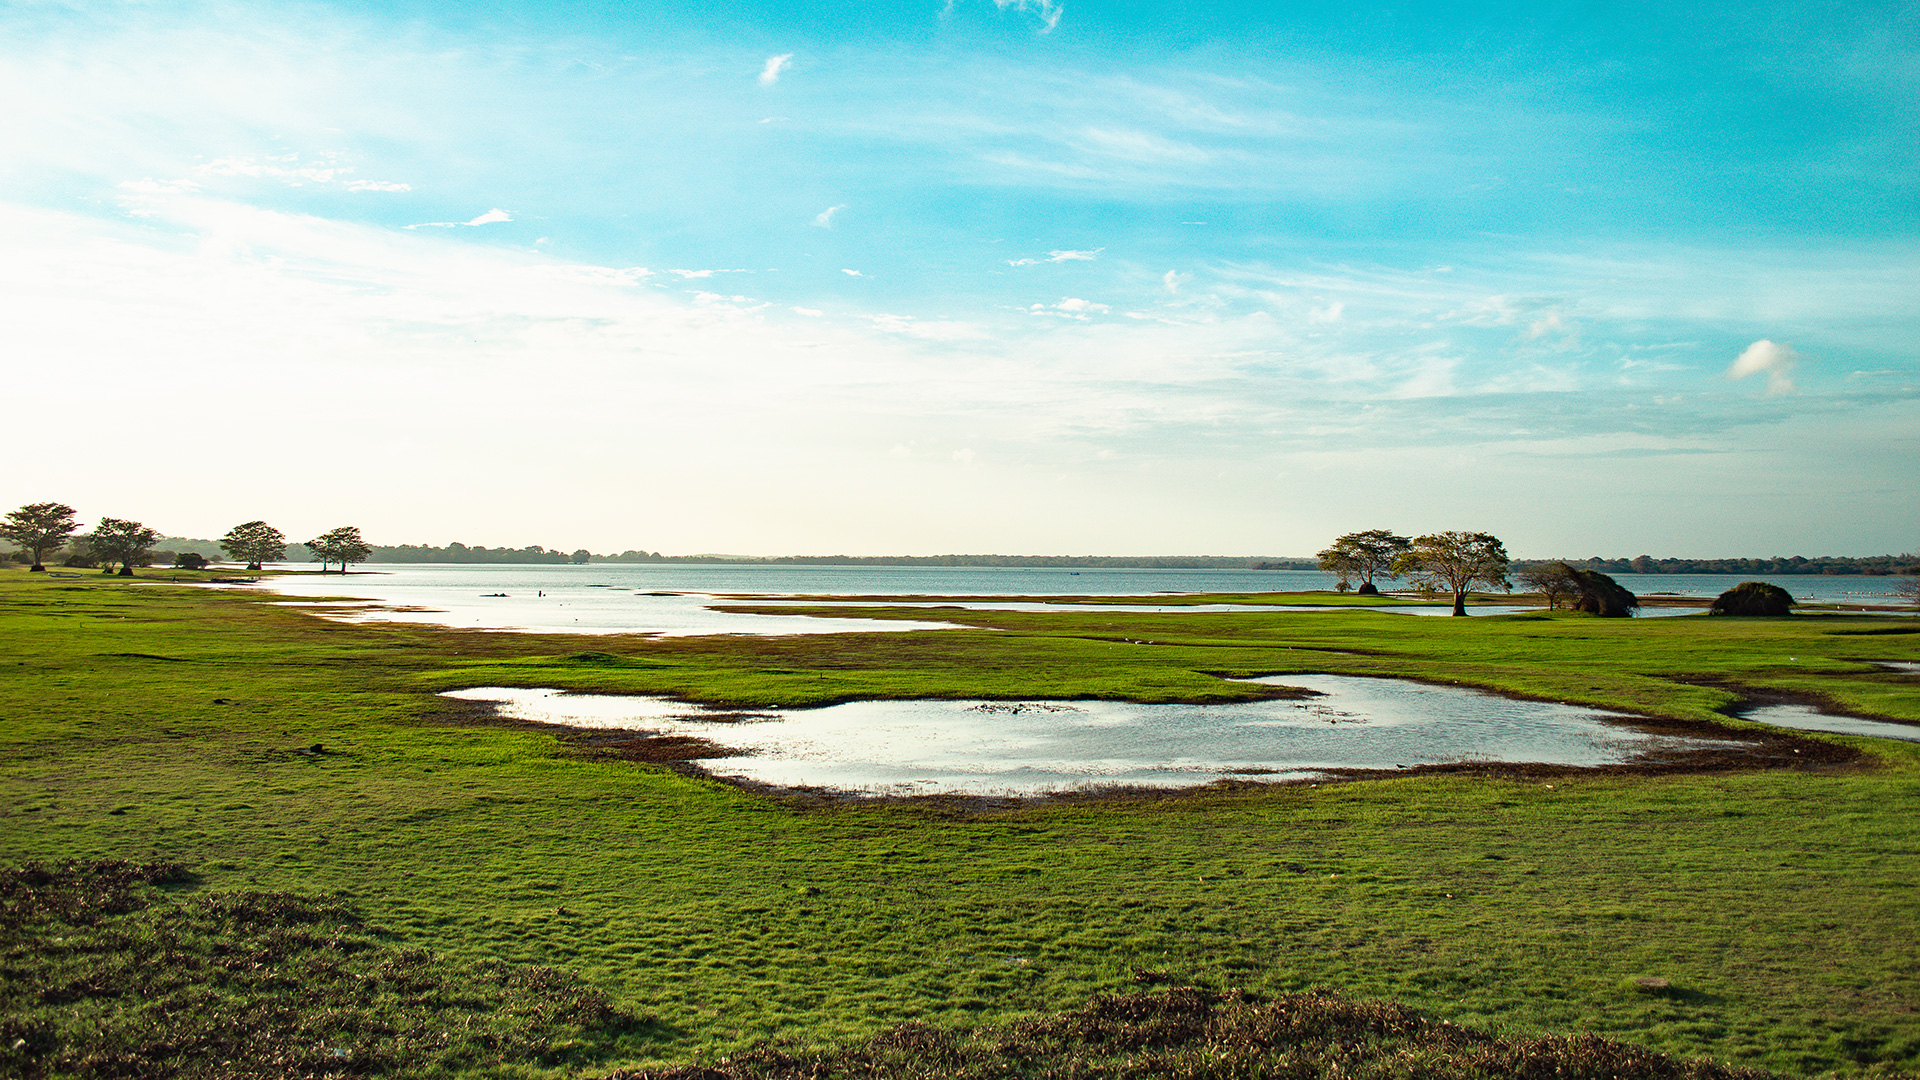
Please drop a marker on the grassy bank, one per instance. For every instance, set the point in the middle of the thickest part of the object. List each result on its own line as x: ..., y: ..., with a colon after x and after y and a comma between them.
x: 166, y: 724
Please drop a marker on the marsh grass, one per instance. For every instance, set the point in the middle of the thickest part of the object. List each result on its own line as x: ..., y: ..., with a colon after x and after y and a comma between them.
x: 1196, y: 1034
x: 173, y: 725
x: 107, y: 976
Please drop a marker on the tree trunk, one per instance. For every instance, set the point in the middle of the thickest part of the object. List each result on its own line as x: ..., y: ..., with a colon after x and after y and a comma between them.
x: 126, y: 570
x: 1459, y: 603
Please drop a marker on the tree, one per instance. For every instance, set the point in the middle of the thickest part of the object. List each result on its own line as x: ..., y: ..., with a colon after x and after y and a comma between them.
x: 342, y: 545
x: 1909, y: 586
x: 1753, y: 598
x: 1601, y: 595
x: 254, y: 543
x: 1363, y: 555
x: 581, y: 557
x: 117, y: 540
x: 1455, y: 562
x: 1554, y: 581
x: 190, y: 560
x: 39, y: 528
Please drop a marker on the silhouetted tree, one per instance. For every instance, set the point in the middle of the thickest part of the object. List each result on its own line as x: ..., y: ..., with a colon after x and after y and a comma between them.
x: 1753, y: 598
x: 254, y: 543
x: 1554, y: 581
x: 39, y: 528
x: 1456, y: 561
x: 190, y: 560
x: 122, y: 542
x: 1363, y: 555
x: 581, y: 557
x: 342, y: 545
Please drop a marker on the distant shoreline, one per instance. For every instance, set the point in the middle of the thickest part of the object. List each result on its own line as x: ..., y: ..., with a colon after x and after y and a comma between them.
x: 1874, y: 566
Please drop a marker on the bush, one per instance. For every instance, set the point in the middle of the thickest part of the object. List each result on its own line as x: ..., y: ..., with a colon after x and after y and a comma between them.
x: 1753, y: 598
x: 1602, y: 595
x: 189, y: 560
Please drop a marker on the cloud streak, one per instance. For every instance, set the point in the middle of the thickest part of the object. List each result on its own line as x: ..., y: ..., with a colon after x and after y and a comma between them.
x: 775, y: 65
x: 491, y: 217
x: 1059, y: 257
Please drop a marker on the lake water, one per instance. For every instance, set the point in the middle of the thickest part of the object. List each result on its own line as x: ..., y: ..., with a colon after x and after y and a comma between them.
x: 674, y: 598
x: 1034, y: 747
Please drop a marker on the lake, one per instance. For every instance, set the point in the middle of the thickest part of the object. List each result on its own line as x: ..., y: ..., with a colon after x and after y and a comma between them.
x: 673, y: 598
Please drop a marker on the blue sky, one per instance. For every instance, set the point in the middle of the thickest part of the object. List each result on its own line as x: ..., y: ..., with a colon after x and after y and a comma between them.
x: 970, y: 276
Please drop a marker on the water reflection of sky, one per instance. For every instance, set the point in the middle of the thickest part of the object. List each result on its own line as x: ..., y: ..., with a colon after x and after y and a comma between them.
x: 678, y: 599
x: 1029, y: 747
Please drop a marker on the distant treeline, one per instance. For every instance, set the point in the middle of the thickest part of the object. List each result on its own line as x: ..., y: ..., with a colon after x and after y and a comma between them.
x: 1782, y: 564
x: 534, y: 553
x: 1138, y: 562
x: 461, y: 553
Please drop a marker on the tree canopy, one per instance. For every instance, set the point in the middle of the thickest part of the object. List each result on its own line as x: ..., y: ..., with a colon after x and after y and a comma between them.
x: 119, y: 541
x: 39, y: 528
x: 1455, y: 562
x: 1585, y: 590
x: 255, y: 543
x: 1363, y: 555
x: 342, y: 545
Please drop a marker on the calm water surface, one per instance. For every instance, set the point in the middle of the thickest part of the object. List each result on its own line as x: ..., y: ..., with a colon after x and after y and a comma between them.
x: 1032, y: 747
x: 672, y: 598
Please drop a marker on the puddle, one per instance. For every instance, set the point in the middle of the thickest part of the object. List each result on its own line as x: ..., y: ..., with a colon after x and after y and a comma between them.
x: 1036, y: 747
x: 1899, y: 665
x: 1804, y: 718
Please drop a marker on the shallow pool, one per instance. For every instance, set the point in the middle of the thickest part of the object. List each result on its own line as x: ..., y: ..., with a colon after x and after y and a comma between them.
x: 1804, y: 718
x: 1034, y: 747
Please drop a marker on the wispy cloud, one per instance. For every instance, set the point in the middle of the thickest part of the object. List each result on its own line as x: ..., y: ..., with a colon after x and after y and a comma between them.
x: 1059, y: 257
x: 770, y: 74
x: 852, y: 273
x: 491, y: 217
x: 1046, y: 11
x: 824, y: 218
x: 1173, y: 279
x: 1763, y: 356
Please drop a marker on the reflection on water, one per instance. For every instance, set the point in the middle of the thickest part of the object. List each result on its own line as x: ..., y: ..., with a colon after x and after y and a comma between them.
x: 1803, y: 718
x: 1031, y: 747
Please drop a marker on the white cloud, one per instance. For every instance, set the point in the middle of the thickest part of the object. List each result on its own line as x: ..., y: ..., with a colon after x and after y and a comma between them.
x: 824, y: 218
x: 775, y: 65
x: 1777, y: 361
x: 1172, y: 280
x: 289, y: 169
x: 1070, y: 307
x: 852, y: 273
x: 490, y: 217
x: 811, y: 313
x: 1059, y: 257
x: 690, y: 274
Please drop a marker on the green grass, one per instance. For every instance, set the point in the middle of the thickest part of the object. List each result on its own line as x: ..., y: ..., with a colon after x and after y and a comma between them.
x: 153, y: 723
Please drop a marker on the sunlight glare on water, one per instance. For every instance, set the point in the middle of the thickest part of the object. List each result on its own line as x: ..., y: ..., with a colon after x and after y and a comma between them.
x: 1032, y: 747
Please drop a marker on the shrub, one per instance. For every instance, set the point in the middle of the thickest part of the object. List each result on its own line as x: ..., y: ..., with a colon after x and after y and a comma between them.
x: 1753, y: 598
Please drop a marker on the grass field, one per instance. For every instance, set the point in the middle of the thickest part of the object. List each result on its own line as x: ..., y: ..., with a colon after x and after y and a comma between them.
x: 162, y: 724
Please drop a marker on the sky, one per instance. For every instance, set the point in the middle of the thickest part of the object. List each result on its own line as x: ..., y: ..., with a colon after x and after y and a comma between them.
x: 935, y: 276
